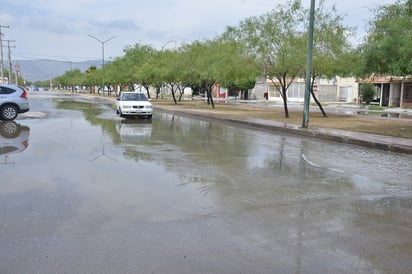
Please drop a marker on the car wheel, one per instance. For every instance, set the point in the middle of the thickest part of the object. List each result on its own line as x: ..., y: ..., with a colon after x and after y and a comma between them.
x: 9, y: 129
x: 149, y: 116
x: 8, y: 112
x: 120, y: 113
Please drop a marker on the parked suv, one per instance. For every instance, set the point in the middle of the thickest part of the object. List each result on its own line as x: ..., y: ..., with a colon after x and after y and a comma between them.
x: 13, y: 100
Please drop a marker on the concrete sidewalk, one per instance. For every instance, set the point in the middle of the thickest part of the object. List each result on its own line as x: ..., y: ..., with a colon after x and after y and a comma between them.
x: 374, y: 141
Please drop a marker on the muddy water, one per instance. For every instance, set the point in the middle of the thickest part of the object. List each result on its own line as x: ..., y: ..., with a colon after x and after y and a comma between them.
x: 94, y: 193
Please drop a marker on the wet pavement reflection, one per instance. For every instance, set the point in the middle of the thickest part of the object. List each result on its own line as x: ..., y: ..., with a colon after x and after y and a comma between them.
x: 14, y: 138
x: 99, y: 194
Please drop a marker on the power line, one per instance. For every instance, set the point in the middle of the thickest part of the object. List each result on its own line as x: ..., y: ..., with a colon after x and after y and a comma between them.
x: 51, y: 57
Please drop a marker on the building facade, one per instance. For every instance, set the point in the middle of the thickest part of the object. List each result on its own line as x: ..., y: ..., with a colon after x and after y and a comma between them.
x: 326, y: 90
x: 392, y: 91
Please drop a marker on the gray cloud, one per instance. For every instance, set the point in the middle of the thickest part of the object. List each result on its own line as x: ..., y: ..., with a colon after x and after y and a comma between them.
x: 63, y: 25
x: 116, y: 24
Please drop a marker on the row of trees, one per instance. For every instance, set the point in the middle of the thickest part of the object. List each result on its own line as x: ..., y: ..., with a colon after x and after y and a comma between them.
x: 272, y: 45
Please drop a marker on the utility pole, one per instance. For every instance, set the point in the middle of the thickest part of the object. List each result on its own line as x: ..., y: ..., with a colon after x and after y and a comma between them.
x: 17, y: 69
x: 9, y: 56
x: 1, y: 53
x: 305, y: 122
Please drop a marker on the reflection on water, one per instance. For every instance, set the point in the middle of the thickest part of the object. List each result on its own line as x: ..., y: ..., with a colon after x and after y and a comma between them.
x: 14, y: 138
x: 131, y: 130
x: 380, y: 114
x: 395, y: 115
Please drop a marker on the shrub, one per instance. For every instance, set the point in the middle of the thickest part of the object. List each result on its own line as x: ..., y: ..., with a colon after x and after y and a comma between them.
x: 367, y: 92
x: 376, y: 108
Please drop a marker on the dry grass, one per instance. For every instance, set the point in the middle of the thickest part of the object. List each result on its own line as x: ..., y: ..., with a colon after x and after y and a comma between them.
x: 376, y: 125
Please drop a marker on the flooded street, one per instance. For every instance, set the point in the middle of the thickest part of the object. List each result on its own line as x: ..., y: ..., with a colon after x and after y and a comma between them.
x: 85, y: 191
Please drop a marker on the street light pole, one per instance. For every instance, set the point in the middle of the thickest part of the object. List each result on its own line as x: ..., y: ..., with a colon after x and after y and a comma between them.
x: 102, y: 42
x: 168, y: 42
x: 305, y: 122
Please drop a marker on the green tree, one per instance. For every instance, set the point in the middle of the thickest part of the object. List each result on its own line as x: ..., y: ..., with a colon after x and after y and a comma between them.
x: 92, y: 78
x: 70, y: 79
x: 367, y: 90
x: 167, y: 67
x: 135, y: 60
x: 388, y: 46
x: 276, y: 39
x: 239, y: 70
x: 207, y: 63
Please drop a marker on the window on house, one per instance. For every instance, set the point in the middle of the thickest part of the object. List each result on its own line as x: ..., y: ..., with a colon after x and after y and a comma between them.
x: 273, y: 91
x: 407, y: 94
x: 343, y: 93
x: 296, y: 90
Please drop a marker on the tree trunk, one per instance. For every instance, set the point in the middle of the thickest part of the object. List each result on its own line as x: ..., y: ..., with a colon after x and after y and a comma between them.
x: 209, y: 97
x: 147, y: 90
x: 314, y: 96
x: 109, y: 90
x: 246, y: 95
x: 285, y: 102
x: 283, y: 89
x: 173, y: 94
x: 318, y: 103
x: 157, y: 92
x: 181, y: 92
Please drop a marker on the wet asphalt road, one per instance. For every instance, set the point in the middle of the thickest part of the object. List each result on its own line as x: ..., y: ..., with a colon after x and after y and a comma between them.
x: 83, y: 191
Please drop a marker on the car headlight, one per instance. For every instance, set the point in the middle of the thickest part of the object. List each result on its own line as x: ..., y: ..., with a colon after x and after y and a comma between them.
x: 126, y: 106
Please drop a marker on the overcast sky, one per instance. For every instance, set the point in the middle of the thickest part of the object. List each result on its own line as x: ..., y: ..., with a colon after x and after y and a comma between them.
x: 59, y: 29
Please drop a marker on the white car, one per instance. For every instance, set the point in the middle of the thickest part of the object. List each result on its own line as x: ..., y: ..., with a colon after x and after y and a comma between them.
x: 13, y: 100
x: 130, y: 104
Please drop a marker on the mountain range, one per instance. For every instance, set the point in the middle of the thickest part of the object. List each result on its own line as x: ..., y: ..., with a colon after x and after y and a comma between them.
x: 41, y: 70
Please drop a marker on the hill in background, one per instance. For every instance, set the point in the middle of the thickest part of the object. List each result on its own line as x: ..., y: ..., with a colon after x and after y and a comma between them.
x: 41, y: 70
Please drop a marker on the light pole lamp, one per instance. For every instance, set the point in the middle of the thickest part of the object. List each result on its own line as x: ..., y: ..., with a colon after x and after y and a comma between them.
x: 102, y: 42
x: 167, y: 43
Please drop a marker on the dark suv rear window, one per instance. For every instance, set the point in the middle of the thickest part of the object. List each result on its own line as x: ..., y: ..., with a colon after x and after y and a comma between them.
x: 6, y: 90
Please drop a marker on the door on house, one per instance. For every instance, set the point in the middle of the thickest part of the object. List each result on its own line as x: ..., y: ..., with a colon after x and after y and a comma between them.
x: 350, y: 94
x: 385, y: 95
x: 345, y: 94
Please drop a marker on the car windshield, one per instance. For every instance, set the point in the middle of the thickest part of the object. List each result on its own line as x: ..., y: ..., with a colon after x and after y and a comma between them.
x: 134, y: 97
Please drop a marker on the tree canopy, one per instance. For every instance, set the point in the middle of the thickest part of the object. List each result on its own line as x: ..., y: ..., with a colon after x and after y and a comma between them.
x: 388, y: 46
x: 278, y: 40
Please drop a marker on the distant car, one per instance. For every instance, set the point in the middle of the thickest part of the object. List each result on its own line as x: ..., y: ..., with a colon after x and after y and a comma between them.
x: 130, y: 104
x: 13, y: 100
